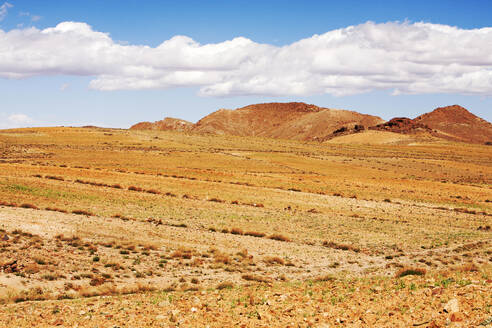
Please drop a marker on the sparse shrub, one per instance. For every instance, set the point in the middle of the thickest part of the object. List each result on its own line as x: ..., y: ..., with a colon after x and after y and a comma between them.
x: 49, y: 277
x: 82, y: 212
x: 55, y: 209
x: 222, y: 258
x: 133, y: 188
x: 274, y: 260
x: 225, y: 285
x: 236, y: 231
x: 252, y: 277
x: 325, y: 278
x: 117, y: 186
x: 407, y: 271
x: 216, y: 200
x: 40, y: 260
x: 468, y: 267
x: 178, y: 225
x: 52, y: 177
x: 279, y: 237
x: 153, y: 191
x: 31, y: 206
x: 254, y: 234
x: 32, y: 268
x: 465, y: 210
x: 97, y: 281
x: 343, y: 247
x: 95, y: 259
x: 182, y: 253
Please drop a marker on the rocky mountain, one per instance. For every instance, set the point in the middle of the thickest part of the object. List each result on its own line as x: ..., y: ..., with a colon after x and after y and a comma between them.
x: 293, y: 120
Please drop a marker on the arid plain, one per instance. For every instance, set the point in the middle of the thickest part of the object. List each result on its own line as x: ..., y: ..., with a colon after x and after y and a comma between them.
x: 127, y: 228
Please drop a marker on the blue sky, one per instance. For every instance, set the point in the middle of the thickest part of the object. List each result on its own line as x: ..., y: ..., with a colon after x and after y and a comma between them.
x: 68, y: 95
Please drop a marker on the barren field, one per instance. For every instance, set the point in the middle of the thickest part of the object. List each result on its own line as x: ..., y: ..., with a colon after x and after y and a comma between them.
x: 125, y: 228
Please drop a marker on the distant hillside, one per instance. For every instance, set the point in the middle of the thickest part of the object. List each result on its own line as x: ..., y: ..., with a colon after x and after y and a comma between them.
x: 457, y: 123
x: 278, y: 120
x: 403, y: 125
x: 168, y: 123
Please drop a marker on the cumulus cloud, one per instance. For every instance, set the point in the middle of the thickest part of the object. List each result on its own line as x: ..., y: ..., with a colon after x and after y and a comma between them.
x: 403, y: 57
x: 4, y: 10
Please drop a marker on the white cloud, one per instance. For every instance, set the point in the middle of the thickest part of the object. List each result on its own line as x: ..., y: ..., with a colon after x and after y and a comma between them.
x: 4, y: 10
x: 403, y: 57
x: 64, y: 86
x: 35, y: 18
x: 14, y: 121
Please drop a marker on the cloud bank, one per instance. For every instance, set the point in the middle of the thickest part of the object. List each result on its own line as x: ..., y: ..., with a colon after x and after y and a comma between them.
x: 410, y: 58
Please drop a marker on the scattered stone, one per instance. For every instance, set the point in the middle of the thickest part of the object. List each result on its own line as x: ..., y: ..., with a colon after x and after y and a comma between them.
x: 486, y: 322
x: 452, y: 306
x: 456, y: 317
x: 163, y: 303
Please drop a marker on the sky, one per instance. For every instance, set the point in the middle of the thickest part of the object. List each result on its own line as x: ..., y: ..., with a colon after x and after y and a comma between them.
x: 114, y: 63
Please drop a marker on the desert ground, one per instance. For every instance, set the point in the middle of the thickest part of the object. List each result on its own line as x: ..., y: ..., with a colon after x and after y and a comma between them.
x: 128, y: 228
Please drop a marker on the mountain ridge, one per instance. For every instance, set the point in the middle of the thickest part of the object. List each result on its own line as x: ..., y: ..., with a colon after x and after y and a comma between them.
x: 301, y: 121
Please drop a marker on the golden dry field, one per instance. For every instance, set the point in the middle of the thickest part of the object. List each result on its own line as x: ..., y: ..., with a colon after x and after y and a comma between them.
x: 125, y: 228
